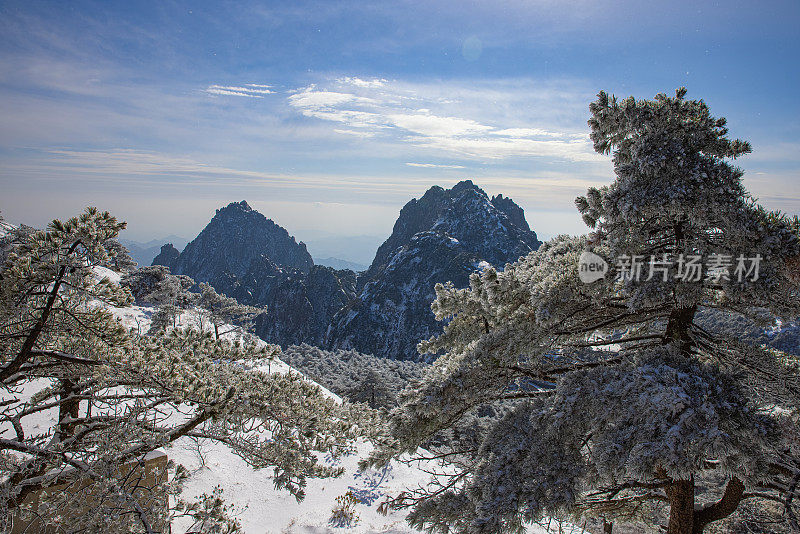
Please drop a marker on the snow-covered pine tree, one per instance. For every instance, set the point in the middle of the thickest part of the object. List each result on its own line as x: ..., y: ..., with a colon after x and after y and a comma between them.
x: 145, y: 283
x: 220, y: 310
x: 371, y: 389
x: 119, y: 396
x: 619, y: 403
x: 121, y: 260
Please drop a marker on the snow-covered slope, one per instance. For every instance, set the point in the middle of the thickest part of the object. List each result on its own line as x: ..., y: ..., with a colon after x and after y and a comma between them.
x: 5, y: 228
x: 256, y: 503
x: 258, y: 506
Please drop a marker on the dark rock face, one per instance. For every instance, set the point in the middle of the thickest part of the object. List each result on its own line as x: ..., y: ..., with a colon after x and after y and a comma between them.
x: 514, y: 212
x: 443, y: 236
x: 167, y: 257
x: 256, y: 286
x: 246, y: 256
x: 241, y: 252
x: 300, y: 308
x: 416, y: 216
x: 393, y: 311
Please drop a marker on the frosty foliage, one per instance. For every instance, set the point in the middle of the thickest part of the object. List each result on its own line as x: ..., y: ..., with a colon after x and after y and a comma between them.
x: 117, y: 395
x: 209, y: 514
x: 355, y: 376
x: 147, y: 284
x: 616, y: 399
x: 120, y: 259
x: 220, y: 310
x: 10, y: 236
x: 174, y: 294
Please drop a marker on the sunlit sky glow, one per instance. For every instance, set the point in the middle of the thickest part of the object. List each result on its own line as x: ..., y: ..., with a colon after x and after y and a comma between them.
x: 328, y: 116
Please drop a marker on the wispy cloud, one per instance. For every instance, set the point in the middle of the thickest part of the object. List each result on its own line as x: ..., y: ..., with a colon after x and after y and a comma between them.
x: 251, y: 90
x: 494, y: 149
x: 358, y: 82
x: 357, y: 133
x: 435, y: 166
x: 537, y: 132
x: 147, y: 167
x: 310, y: 98
x: 432, y: 125
x: 437, y: 119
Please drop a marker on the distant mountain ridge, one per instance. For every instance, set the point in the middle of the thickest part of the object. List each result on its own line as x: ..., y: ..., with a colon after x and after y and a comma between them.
x: 143, y: 253
x: 359, y: 249
x: 443, y: 236
x: 338, y: 263
x: 239, y: 248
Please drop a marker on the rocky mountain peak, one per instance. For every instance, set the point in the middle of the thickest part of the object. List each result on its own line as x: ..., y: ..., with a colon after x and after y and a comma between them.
x: 443, y: 236
x: 495, y: 228
x: 242, y: 206
x: 167, y: 257
x: 232, y: 245
x: 466, y: 185
x: 510, y: 208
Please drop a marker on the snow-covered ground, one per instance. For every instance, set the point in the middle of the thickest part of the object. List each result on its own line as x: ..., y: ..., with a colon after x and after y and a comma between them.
x: 261, y: 508
x: 258, y: 506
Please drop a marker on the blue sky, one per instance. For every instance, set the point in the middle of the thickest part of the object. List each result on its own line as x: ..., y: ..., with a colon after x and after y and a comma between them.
x: 329, y: 116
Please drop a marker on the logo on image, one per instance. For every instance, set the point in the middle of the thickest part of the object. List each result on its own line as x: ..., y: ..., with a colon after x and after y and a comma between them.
x: 591, y: 267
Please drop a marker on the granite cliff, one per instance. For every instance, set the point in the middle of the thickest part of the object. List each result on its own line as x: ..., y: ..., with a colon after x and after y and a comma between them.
x: 443, y: 236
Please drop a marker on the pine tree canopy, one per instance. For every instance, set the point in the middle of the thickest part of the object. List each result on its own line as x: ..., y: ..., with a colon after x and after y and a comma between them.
x: 612, y: 400
x: 118, y: 395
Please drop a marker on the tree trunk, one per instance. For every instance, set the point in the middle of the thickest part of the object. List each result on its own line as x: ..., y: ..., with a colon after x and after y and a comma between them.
x: 216, y: 331
x: 721, y: 509
x: 68, y: 409
x: 681, y: 507
x: 608, y: 527
x: 678, y: 328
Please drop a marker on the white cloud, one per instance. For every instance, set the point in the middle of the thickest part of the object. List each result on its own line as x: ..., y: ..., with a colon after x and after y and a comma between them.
x: 348, y: 117
x: 471, y: 122
x: 435, y: 166
x: 535, y: 132
x: 358, y: 82
x: 358, y: 133
x: 310, y: 98
x: 249, y: 90
x: 494, y: 149
x: 432, y: 125
x: 218, y: 91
